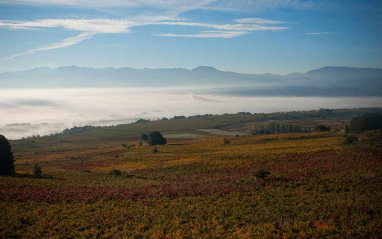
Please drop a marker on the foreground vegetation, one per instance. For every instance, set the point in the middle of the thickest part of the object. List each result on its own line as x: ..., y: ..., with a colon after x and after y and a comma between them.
x: 296, y: 185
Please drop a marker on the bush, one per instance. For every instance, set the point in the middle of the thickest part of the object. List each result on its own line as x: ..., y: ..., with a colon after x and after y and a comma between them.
x: 350, y: 139
x: 156, y: 138
x: 155, y: 150
x: 115, y: 172
x: 225, y: 141
x: 262, y: 173
x: 321, y: 128
x: 37, y: 170
x: 371, y: 138
x: 7, y: 166
x: 140, y: 144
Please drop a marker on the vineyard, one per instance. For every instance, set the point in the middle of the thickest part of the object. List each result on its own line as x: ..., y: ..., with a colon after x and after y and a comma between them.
x: 317, y: 188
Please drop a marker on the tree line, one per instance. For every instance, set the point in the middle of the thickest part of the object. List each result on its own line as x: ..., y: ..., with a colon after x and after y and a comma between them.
x: 276, y: 128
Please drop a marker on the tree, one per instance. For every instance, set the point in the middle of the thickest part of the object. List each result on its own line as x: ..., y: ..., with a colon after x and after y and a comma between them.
x: 115, y: 173
x: 142, y: 121
x: 346, y: 129
x: 365, y: 122
x: 325, y: 112
x: 156, y: 138
x: 144, y: 137
x: 262, y: 173
x: 37, y: 170
x: 225, y: 141
x: 7, y: 166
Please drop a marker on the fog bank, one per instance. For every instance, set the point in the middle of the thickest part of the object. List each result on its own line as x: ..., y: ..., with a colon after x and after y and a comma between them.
x: 26, y: 112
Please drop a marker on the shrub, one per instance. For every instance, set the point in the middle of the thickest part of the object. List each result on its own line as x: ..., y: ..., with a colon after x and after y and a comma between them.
x: 371, y: 138
x: 262, y: 173
x: 155, y: 150
x: 115, y: 172
x: 7, y: 166
x: 321, y: 128
x: 140, y: 143
x: 225, y: 141
x: 350, y: 139
x: 37, y: 170
x: 156, y: 138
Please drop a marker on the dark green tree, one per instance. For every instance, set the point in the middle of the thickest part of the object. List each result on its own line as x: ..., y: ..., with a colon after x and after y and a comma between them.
x: 325, y: 112
x: 144, y: 137
x: 262, y: 173
x: 115, y: 173
x: 225, y: 141
x: 7, y: 166
x: 321, y: 128
x: 346, y: 129
x: 37, y: 170
x: 156, y: 138
x: 365, y: 122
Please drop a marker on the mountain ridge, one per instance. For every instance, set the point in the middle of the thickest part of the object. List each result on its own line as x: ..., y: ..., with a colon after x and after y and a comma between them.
x: 367, y: 80
x: 198, y: 68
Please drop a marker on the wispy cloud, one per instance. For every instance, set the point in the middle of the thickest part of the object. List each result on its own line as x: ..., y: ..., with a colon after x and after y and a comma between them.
x: 88, y: 27
x: 84, y: 25
x: 207, y: 34
x: 159, y: 4
x: 181, y: 5
x: 166, y: 13
x: 92, y: 27
x: 260, y: 21
x: 228, y: 27
x: 317, y: 33
x: 225, y: 30
x: 98, y: 26
x: 66, y: 42
x: 258, y: 5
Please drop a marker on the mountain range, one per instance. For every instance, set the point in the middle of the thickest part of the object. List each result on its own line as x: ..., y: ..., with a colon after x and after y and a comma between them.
x: 327, y: 81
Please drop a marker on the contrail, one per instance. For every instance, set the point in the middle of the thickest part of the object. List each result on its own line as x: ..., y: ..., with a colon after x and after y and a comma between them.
x: 66, y: 42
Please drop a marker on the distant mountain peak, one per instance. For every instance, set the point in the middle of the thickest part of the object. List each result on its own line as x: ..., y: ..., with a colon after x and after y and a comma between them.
x: 205, y: 69
x: 342, y: 69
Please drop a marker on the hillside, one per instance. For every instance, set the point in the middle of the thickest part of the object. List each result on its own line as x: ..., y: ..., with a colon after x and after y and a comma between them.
x: 317, y: 188
x: 199, y: 126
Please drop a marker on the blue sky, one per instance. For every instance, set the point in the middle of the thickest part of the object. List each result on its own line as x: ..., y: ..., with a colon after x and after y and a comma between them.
x: 252, y: 36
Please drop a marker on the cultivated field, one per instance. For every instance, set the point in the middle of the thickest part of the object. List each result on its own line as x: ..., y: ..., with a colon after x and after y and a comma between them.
x: 318, y: 188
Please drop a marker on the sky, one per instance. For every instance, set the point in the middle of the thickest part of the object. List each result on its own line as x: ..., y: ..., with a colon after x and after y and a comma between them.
x: 249, y: 36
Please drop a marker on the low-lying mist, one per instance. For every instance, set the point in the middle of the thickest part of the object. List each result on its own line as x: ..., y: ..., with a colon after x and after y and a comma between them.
x: 26, y: 112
